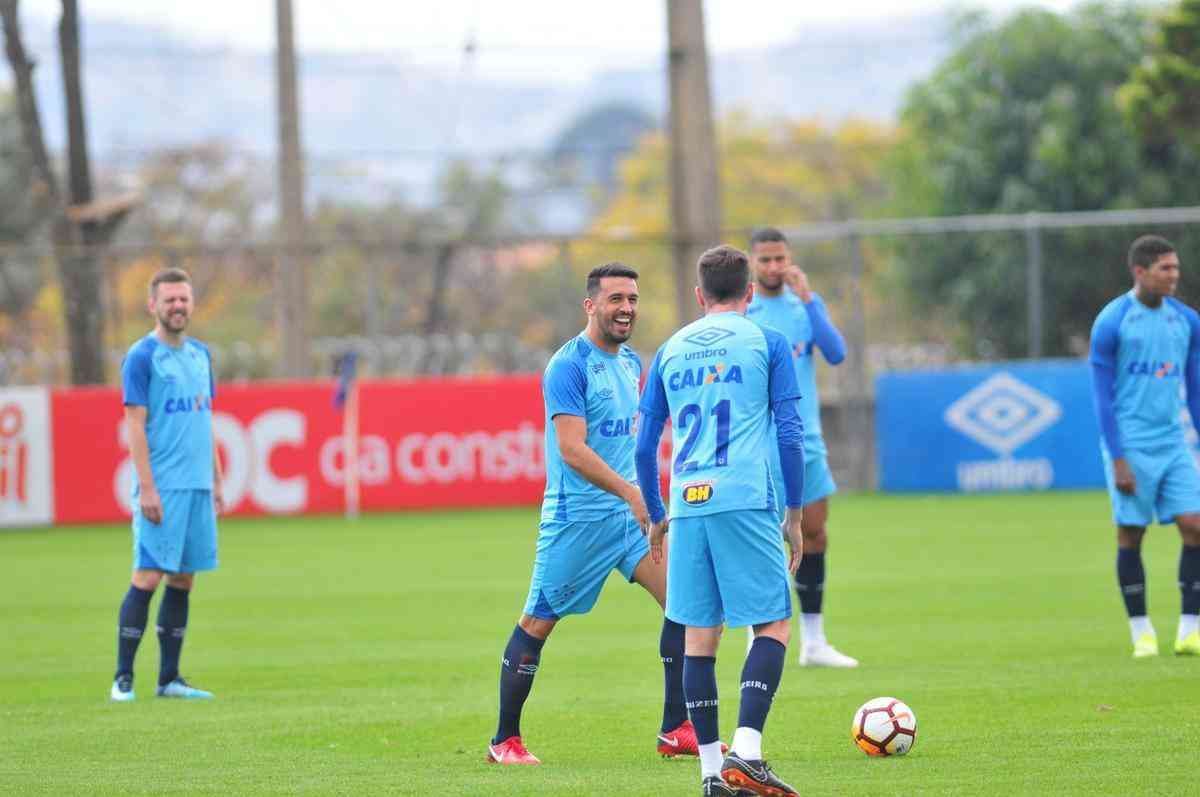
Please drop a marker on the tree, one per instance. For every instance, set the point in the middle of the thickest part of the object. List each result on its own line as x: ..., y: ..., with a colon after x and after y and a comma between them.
x: 1022, y: 118
x: 1162, y: 98
x: 80, y: 226
x: 20, y: 270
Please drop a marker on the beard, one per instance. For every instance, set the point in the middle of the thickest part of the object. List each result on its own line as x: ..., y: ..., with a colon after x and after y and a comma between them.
x: 174, y: 322
x: 617, y: 334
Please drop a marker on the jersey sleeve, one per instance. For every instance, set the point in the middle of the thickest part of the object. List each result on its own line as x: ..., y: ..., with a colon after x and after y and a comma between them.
x: 654, y: 395
x: 212, y: 372
x: 789, y: 429
x: 1192, y: 373
x: 781, y: 374
x: 135, y: 377
x: 654, y: 412
x: 1103, y: 360
x: 565, y: 388
x: 826, y: 336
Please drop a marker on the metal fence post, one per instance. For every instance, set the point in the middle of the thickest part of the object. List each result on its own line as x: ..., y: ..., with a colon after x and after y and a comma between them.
x: 1034, y: 297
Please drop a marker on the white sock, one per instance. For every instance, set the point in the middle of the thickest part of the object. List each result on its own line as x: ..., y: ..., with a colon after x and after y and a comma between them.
x: 710, y: 759
x: 814, y: 630
x: 747, y: 744
x: 1140, y: 625
x: 1188, y: 624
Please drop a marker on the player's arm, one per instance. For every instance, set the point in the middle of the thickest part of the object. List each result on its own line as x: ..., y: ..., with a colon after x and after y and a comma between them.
x: 579, y: 456
x: 135, y: 384
x: 784, y: 393
x: 1102, y: 358
x: 826, y: 336
x: 653, y: 413
x: 218, y: 475
x: 1192, y: 373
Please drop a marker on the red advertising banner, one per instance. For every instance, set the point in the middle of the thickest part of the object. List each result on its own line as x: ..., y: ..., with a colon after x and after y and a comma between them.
x: 425, y: 443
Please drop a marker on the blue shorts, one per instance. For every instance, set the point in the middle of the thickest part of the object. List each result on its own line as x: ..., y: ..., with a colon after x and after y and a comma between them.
x: 1168, y: 485
x: 185, y: 541
x: 727, y: 568
x: 574, y: 559
x: 818, y: 482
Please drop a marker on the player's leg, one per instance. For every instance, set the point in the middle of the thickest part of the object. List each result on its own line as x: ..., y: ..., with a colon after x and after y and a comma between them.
x: 1179, y: 500
x: 199, y: 554
x: 752, y: 577
x: 518, y: 666
x: 810, y: 575
x: 157, y: 548
x: 1132, y: 514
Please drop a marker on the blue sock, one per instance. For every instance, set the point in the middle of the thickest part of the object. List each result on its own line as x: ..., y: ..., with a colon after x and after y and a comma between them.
x: 131, y: 624
x: 670, y: 648
x: 520, y: 664
x: 700, y: 687
x: 1189, y: 578
x: 1132, y: 578
x: 760, y: 679
x: 172, y: 623
x: 810, y: 582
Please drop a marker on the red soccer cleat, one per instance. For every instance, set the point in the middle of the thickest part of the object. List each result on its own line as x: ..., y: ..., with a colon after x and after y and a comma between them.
x: 682, y: 741
x: 512, y: 751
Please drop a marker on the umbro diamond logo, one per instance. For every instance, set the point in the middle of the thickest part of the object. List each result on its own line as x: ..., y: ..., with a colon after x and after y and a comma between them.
x: 708, y: 336
x: 1003, y: 413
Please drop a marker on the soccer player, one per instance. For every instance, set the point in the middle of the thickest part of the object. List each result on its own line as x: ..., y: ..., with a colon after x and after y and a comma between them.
x: 720, y: 380
x: 784, y: 301
x: 168, y: 394
x: 593, y: 515
x: 1143, y: 344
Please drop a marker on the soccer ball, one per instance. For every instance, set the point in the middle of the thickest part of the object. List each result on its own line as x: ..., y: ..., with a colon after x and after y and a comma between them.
x: 884, y: 726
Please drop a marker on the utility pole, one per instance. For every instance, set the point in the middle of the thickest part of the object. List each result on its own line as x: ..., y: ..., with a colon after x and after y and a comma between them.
x: 291, y: 280
x: 695, y: 188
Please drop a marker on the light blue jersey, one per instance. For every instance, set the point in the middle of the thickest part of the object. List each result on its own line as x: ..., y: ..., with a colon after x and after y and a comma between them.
x: 584, y: 380
x: 175, y: 385
x: 806, y: 328
x: 1140, y: 358
x: 717, y: 379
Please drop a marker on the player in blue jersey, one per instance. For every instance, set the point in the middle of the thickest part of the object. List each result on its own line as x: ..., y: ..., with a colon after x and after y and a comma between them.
x: 721, y: 380
x: 168, y: 393
x: 784, y: 301
x: 1144, y: 344
x: 593, y: 516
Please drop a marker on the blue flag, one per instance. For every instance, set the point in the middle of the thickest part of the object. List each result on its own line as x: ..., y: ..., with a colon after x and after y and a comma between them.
x: 344, y: 368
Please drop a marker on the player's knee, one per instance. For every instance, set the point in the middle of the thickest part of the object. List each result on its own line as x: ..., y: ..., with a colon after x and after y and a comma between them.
x: 1130, y: 536
x: 1189, y: 530
x: 780, y: 630
x: 146, y: 580
x: 536, y: 627
x: 181, y: 580
x: 815, y: 538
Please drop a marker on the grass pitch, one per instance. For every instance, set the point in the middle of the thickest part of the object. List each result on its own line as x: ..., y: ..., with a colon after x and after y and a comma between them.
x: 361, y: 658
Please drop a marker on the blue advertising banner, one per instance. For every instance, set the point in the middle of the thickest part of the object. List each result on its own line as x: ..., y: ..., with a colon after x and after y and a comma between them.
x: 1013, y: 426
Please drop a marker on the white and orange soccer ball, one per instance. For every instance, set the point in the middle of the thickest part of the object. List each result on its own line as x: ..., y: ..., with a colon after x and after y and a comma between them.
x: 884, y: 726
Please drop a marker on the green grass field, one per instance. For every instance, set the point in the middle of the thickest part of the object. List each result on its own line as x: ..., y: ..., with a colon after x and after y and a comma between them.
x: 361, y: 658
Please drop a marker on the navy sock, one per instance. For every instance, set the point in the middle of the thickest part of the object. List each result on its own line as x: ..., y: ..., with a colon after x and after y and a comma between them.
x: 1189, y: 578
x: 760, y: 679
x: 520, y: 664
x: 670, y: 648
x: 810, y: 582
x: 1132, y: 578
x: 172, y: 623
x: 700, y: 687
x: 131, y: 624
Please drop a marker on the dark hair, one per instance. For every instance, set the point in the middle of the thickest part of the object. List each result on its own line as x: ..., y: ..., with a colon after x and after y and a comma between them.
x: 764, y: 235
x: 724, y: 273
x: 168, y: 275
x: 613, y: 269
x: 1147, y: 249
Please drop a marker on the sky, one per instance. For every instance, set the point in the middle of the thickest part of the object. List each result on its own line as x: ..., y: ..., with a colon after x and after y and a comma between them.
x: 519, y: 38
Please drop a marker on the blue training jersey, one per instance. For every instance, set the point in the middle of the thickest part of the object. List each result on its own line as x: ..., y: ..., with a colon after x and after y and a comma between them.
x: 790, y: 316
x: 584, y: 380
x: 175, y: 385
x: 1140, y: 357
x: 717, y: 379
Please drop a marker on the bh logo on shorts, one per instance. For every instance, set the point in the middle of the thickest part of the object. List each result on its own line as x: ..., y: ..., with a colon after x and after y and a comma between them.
x: 1003, y: 414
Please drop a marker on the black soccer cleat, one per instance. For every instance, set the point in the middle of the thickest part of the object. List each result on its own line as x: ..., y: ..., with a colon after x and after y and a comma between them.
x: 713, y: 786
x: 755, y: 777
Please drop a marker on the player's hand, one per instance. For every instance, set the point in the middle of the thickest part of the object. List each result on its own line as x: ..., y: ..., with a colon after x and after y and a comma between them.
x: 795, y: 538
x: 1123, y: 476
x: 218, y: 499
x: 638, y: 507
x: 797, y: 280
x: 150, y: 504
x: 658, y: 532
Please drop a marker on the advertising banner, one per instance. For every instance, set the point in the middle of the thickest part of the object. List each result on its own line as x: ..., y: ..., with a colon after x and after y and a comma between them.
x: 26, y: 457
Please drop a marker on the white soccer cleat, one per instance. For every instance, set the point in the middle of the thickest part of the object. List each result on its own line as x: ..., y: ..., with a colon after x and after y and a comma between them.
x: 181, y: 689
x: 825, y: 656
x: 122, y: 689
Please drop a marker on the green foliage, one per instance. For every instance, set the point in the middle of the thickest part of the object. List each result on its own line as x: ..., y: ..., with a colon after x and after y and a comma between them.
x: 20, y: 271
x: 1162, y: 98
x: 1022, y: 118
x: 362, y: 659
